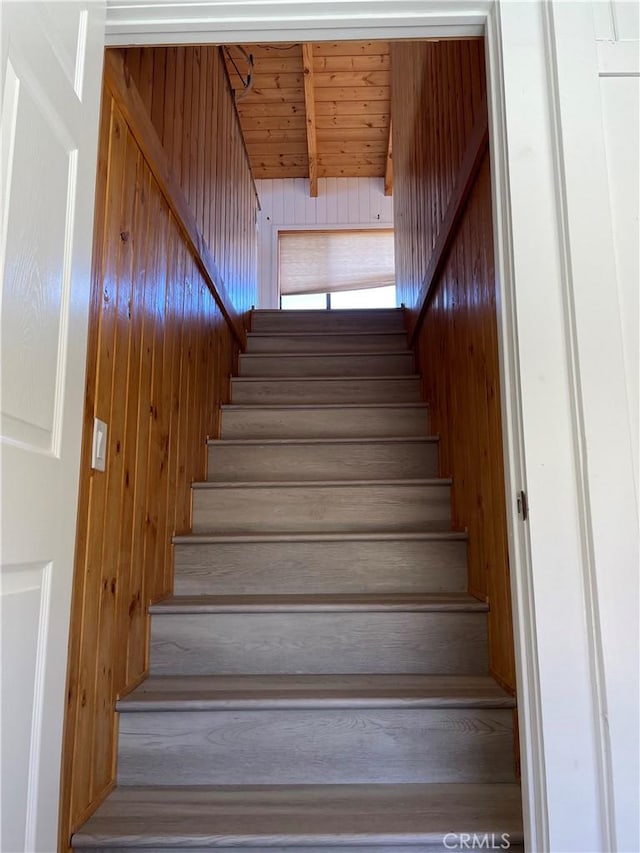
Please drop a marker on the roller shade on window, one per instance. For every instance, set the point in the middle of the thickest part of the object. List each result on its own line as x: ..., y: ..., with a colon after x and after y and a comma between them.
x: 331, y: 261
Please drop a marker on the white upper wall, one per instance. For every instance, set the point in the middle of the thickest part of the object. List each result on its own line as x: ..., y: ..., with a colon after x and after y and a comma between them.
x: 286, y: 205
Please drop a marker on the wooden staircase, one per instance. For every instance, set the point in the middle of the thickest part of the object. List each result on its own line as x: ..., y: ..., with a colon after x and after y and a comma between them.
x: 319, y: 679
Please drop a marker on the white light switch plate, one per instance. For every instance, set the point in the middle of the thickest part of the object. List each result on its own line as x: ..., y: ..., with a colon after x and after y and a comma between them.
x: 99, y: 447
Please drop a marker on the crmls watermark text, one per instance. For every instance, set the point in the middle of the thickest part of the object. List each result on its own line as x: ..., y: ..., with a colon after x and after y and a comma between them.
x: 477, y: 841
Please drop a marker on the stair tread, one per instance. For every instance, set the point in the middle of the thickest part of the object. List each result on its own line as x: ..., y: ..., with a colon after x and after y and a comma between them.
x: 439, y: 535
x: 314, y: 406
x: 276, y: 442
x: 277, y: 816
x: 270, y: 484
x: 210, y: 692
x: 402, y: 377
x: 326, y: 334
x: 330, y: 354
x: 319, y: 602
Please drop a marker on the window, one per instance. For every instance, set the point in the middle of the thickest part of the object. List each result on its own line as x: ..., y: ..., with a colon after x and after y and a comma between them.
x: 337, y: 269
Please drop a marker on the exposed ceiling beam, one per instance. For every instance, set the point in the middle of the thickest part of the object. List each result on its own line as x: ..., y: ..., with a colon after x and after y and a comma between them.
x: 388, y: 170
x: 310, y: 111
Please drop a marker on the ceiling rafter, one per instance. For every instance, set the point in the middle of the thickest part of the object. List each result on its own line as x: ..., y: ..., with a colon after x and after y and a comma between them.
x: 349, y: 114
x: 310, y: 110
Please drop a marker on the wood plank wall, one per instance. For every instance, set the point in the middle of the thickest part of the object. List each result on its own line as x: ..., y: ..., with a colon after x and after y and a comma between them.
x: 159, y: 360
x: 189, y: 98
x: 438, y: 96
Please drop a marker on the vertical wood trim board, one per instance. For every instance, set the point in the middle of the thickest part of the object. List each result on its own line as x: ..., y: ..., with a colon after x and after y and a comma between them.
x: 310, y: 117
x: 159, y: 359
x: 438, y: 108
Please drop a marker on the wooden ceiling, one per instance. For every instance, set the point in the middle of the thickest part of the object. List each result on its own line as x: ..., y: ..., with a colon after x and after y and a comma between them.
x: 314, y: 110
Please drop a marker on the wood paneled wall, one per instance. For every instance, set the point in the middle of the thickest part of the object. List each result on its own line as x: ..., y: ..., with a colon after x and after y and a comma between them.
x: 438, y: 95
x: 159, y: 360
x: 187, y: 93
x: 438, y: 100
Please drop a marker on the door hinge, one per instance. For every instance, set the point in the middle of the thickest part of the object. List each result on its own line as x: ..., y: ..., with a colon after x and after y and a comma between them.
x: 523, y: 505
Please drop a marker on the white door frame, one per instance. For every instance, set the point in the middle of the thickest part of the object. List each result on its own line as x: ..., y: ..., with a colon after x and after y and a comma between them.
x: 554, y: 445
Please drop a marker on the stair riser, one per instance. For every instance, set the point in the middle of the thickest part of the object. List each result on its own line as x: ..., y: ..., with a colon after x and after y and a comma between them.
x: 357, y: 461
x: 327, y: 321
x: 291, y: 568
x: 380, y: 364
x: 368, y: 642
x: 324, y: 423
x: 326, y: 343
x: 313, y: 508
x: 316, y: 746
x: 317, y: 391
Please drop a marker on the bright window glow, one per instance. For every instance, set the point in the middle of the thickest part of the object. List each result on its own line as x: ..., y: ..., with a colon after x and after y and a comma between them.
x: 371, y: 297
x: 305, y: 301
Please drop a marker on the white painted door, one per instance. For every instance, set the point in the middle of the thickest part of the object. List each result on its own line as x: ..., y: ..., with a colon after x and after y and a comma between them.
x: 51, y: 60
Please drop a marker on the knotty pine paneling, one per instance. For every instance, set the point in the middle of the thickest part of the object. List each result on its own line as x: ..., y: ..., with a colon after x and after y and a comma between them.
x: 188, y: 96
x: 438, y: 95
x: 458, y: 356
x: 160, y: 356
